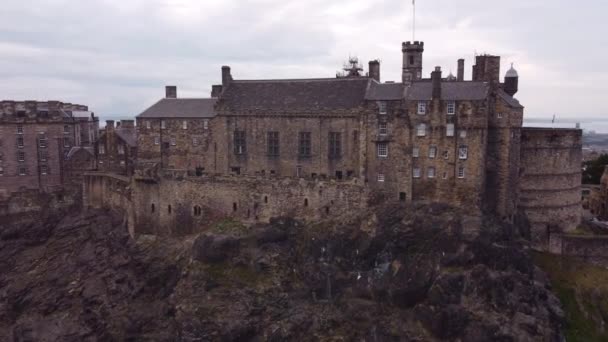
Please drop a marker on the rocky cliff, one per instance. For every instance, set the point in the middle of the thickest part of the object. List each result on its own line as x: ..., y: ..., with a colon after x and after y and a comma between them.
x: 390, y: 274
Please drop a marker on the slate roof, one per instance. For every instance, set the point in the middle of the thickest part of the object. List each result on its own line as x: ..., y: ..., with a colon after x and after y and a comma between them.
x: 468, y: 90
x: 128, y: 135
x: 510, y: 100
x: 181, y: 108
x: 303, y: 95
x: 384, y: 91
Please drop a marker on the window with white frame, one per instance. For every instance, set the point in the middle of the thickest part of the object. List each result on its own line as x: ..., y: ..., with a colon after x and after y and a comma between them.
x: 21, y: 156
x: 173, y: 141
x: 421, y: 107
x: 421, y: 130
x: 383, y: 150
x: 499, y: 115
x: 432, y: 152
x: 382, y: 128
x: 463, y: 152
x: 461, y: 172
x: 381, y: 177
x: 430, y: 172
x: 416, y: 172
x: 163, y: 124
x: 416, y: 152
x: 44, y: 169
x: 42, y: 141
x: 451, y: 108
x: 382, y: 107
x: 102, y: 149
x: 449, y: 130
x: 20, y: 141
x: 148, y: 124
x: 205, y: 124
x: 185, y: 124
x: 463, y: 133
x: 156, y: 140
x: 19, y: 129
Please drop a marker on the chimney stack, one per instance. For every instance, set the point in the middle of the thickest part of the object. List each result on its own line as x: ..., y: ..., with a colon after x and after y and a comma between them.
x: 127, y: 124
x: 216, y: 90
x: 109, y: 125
x: 460, y: 75
x: 374, y: 70
x: 171, y: 92
x: 436, y: 78
x: 226, y: 76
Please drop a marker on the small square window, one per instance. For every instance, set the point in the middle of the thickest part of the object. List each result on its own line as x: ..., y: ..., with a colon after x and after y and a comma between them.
x: 451, y: 108
x: 499, y: 115
x: 185, y: 124
x: 461, y: 172
x: 463, y: 152
x: 463, y: 133
x: 416, y: 172
x: 382, y: 128
x: 432, y: 152
x: 382, y: 107
x: 381, y: 177
x: 431, y: 172
x: 415, y: 152
x: 421, y: 130
x: 449, y: 130
x: 156, y: 140
x: 421, y: 108
x: 382, y: 150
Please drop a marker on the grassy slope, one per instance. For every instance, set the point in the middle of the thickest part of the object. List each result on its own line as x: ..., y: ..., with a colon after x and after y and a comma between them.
x: 583, y: 291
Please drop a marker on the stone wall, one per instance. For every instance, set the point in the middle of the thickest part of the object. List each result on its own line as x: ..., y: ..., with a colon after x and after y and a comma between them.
x: 593, y: 249
x: 180, y: 204
x: 34, y: 201
x: 110, y: 191
x: 550, y: 183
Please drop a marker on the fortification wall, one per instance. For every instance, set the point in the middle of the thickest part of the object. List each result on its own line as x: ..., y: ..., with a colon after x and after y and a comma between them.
x: 550, y: 183
x: 593, y: 249
x: 110, y: 191
x: 179, y: 204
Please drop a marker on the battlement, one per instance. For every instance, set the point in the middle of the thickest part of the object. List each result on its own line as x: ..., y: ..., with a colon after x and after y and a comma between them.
x: 416, y: 45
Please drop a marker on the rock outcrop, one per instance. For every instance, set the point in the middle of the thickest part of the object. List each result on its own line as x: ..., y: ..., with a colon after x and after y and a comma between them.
x: 390, y: 274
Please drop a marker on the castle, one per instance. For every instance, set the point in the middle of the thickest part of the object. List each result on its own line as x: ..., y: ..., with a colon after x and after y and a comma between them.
x: 256, y: 149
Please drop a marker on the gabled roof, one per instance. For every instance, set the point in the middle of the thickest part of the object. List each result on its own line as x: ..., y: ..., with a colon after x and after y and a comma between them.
x: 384, y: 91
x: 510, y: 100
x: 181, y: 108
x: 467, y: 90
x: 128, y: 135
x: 298, y: 95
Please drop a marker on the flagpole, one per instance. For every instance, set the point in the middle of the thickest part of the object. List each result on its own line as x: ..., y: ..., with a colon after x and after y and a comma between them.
x: 414, y: 21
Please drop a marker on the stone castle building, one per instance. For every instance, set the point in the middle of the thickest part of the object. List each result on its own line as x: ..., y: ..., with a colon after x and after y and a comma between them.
x: 437, y: 139
x: 36, y: 140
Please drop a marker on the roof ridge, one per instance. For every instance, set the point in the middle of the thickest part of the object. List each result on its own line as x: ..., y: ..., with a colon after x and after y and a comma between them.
x: 304, y: 79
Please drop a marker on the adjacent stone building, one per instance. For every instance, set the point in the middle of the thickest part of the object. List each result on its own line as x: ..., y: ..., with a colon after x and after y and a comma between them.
x: 116, y: 149
x: 35, y: 141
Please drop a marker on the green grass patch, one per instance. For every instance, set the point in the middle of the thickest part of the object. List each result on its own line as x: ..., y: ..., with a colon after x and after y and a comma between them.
x: 229, y: 226
x: 583, y: 290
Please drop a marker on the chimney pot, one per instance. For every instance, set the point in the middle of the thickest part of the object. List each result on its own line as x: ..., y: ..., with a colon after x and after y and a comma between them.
x: 171, y: 92
x: 436, y: 79
x: 374, y: 70
x: 226, y: 76
x: 460, y: 75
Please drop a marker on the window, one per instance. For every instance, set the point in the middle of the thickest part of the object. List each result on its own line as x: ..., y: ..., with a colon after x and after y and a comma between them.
x: 20, y: 142
x: 449, y: 130
x: 298, y: 172
x: 148, y: 124
x: 44, y: 169
x: 163, y: 124
x: 273, y: 144
x: 461, y: 172
x: 185, y: 124
x: 197, y: 210
x: 194, y: 141
x: 240, y: 144
x: 381, y: 177
x: 416, y: 172
x: 382, y: 128
x: 19, y: 129
x: 1, y: 171
x: 335, y: 144
x: 66, y: 142
x: 432, y: 152
x: 102, y: 149
x: 445, y: 175
x: 421, y: 108
x: 463, y: 133
x: 22, y: 171
x: 446, y: 154
x: 66, y: 129
x: 416, y: 152
x: 431, y: 172
x: 499, y: 115
x: 205, y: 124
x: 463, y: 152
x: 122, y: 163
x: 173, y: 141
x: 304, y: 144
x: 421, y: 130
x: 42, y: 141
x: 382, y: 107
x: 382, y: 150
x: 411, y: 60
x: 121, y: 149
x: 44, y: 156
x: 451, y: 108
x: 156, y: 140
x: 21, y: 156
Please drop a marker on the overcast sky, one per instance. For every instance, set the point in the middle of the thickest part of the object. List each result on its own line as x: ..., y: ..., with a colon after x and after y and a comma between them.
x: 117, y: 55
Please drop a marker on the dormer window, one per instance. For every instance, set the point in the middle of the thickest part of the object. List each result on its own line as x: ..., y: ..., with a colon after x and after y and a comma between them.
x: 421, y: 108
x: 382, y: 107
x: 451, y: 108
